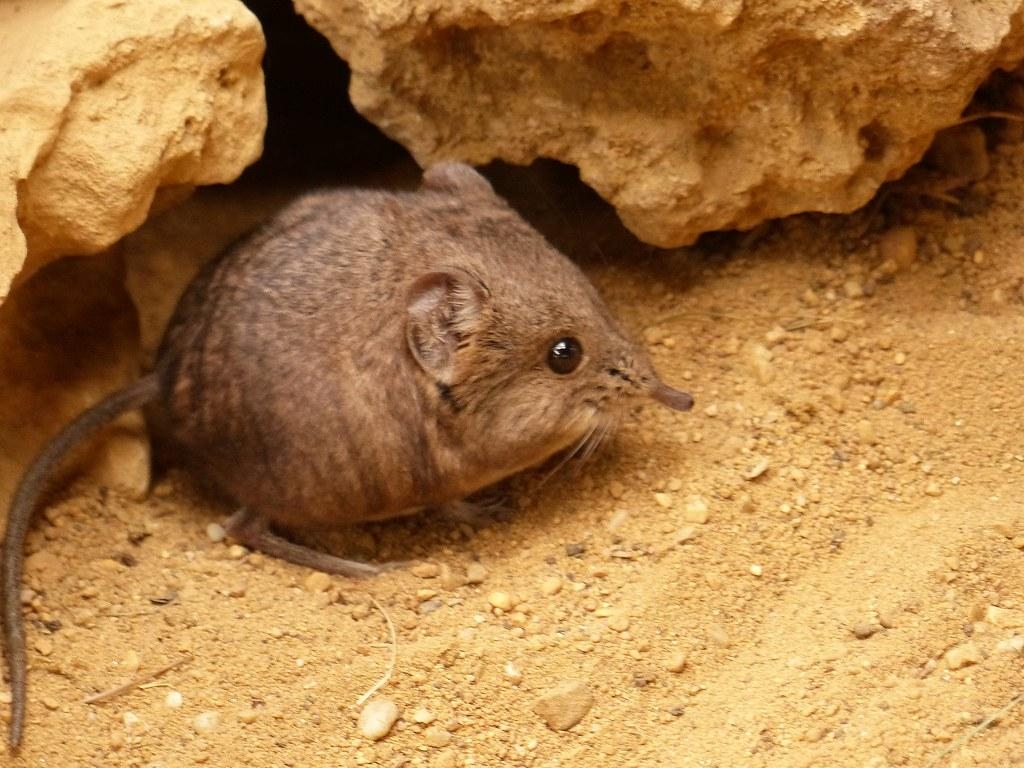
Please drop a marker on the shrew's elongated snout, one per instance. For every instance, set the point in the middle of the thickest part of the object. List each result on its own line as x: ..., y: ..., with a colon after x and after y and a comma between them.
x: 673, y: 398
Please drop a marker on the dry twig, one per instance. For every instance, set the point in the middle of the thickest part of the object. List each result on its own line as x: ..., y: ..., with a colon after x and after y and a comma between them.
x: 394, y: 656
x: 135, y: 682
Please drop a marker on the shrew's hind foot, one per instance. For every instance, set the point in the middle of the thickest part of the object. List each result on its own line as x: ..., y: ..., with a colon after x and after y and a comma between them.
x: 252, y: 531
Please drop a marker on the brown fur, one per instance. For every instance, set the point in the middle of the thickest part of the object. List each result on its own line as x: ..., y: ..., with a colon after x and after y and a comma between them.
x: 363, y: 355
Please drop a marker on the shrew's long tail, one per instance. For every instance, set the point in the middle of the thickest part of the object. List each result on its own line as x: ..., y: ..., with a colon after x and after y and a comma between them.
x: 26, y: 498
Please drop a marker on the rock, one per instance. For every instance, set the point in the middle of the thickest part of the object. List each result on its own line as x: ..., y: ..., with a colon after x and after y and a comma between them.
x: 129, y: 106
x: 687, y: 117
x: 377, y: 719
x: 128, y: 98
x: 563, y: 707
x: 963, y: 655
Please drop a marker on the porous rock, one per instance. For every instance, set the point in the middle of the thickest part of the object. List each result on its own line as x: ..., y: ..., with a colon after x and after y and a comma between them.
x: 107, y: 108
x: 687, y: 116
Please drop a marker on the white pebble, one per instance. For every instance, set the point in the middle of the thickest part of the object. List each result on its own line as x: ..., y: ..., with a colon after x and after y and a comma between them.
x: 174, y: 700
x: 696, y: 510
x: 130, y: 719
x: 215, y: 532
x: 206, y: 722
x: 756, y: 569
x: 377, y: 719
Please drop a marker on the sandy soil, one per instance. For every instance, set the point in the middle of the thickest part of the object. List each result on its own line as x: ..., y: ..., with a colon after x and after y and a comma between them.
x: 851, y: 600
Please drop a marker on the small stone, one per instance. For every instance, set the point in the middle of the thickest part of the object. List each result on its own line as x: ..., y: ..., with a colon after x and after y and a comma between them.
x: 718, y: 636
x: 512, y: 673
x: 476, y: 573
x: 685, y: 534
x: 437, y: 736
x: 619, y: 622
x: 423, y: 716
x: 130, y: 720
x: 501, y: 600
x: 864, y: 630
x: 899, y: 245
x: 663, y: 500
x: 853, y: 289
x: 932, y: 488
x: 839, y: 333
x: 757, y: 469
x: 552, y: 585
x: 563, y: 707
x: 616, y: 489
x: 756, y: 570
x: 215, y: 532
x: 206, y: 722
x: 1004, y: 618
x: 696, y: 510
x: 676, y: 662
x: 426, y: 570
x: 248, y: 716
x: 1013, y: 644
x: 237, y: 552
x: 377, y: 719
x: 43, y: 646
x: 963, y: 655
x: 900, y: 358
x: 317, y: 581
x: 51, y: 703
x: 173, y: 700
x: 866, y: 432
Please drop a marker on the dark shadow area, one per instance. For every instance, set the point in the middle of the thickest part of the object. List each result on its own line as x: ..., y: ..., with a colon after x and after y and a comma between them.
x: 314, y: 134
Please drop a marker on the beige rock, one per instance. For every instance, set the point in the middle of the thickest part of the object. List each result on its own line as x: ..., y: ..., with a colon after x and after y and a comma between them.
x: 686, y: 116
x: 563, y: 707
x: 107, y: 109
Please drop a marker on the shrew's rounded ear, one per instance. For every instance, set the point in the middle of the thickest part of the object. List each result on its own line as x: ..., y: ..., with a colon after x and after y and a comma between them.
x: 443, y: 311
x: 456, y: 177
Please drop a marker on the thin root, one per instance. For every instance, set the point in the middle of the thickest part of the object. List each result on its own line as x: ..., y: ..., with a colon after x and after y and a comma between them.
x: 393, y: 640
x: 135, y: 682
x: 983, y: 725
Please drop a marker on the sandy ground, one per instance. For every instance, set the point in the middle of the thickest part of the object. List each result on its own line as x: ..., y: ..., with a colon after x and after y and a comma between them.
x: 854, y: 598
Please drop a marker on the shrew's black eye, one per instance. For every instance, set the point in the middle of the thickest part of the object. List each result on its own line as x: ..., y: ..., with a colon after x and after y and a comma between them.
x: 565, y: 355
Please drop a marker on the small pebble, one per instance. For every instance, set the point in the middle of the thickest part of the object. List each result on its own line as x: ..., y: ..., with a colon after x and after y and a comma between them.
x: 932, y: 488
x: 563, y: 707
x: 437, y: 736
x: 864, y: 630
x: 676, y: 662
x: 500, y: 600
x: 756, y: 569
x: 512, y: 673
x: 718, y: 636
x: 866, y: 432
x: 476, y: 573
x: 963, y: 655
x: 43, y: 645
x: 215, y: 532
x: 377, y: 719
x: 616, y: 489
x: 552, y: 585
x: 619, y: 622
x: 173, y: 700
x: 899, y: 245
x: 248, y: 715
x: 206, y: 722
x: 1013, y: 644
x: 51, y: 703
x: 853, y: 289
x: 423, y: 716
x: 900, y: 358
x: 317, y: 581
x: 130, y: 720
x: 426, y: 570
x: 663, y: 499
x: 759, y: 468
x: 696, y: 510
